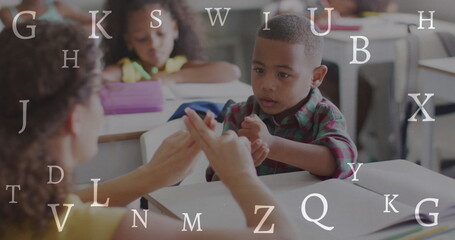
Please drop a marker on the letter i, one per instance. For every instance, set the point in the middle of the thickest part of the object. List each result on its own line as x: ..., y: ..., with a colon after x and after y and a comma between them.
x: 266, y: 26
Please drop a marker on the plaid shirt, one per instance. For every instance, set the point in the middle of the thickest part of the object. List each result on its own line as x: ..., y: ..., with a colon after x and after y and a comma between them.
x: 318, y: 122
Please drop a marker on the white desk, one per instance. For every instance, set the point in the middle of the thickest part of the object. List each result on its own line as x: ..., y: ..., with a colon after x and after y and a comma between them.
x: 382, y: 33
x: 219, y: 209
x: 119, y: 148
x: 437, y: 76
x: 128, y: 126
x: 338, y: 48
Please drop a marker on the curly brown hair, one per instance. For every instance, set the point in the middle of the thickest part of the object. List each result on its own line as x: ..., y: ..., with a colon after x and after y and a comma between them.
x: 188, y: 42
x: 32, y: 70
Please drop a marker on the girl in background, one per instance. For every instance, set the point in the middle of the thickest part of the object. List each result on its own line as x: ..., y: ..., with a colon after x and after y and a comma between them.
x: 170, y: 52
x: 45, y: 10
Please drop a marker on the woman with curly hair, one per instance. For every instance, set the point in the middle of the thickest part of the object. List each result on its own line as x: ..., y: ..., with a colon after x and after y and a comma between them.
x: 158, y: 39
x: 64, y: 115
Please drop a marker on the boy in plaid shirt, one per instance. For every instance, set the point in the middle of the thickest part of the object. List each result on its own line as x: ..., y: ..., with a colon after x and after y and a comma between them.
x: 290, y: 125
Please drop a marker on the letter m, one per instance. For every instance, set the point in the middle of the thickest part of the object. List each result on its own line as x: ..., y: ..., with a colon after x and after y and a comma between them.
x: 191, y: 225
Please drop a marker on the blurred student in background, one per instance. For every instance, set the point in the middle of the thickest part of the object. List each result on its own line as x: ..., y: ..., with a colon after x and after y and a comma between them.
x: 171, y: 51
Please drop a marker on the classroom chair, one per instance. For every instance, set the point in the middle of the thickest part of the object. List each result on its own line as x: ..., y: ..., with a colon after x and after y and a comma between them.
x: 388, y: 134
x: 151, y: 140
x: 409, y: 51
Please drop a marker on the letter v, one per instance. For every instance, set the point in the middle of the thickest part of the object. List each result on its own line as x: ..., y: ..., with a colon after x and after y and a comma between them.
x: 60, y: 226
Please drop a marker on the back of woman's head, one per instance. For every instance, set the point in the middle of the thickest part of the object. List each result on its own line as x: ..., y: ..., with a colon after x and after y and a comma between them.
x: 31, y: 69
x: 188, y: 42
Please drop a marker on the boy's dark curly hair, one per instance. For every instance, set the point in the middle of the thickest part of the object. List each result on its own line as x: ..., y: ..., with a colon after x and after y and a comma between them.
x: 188, y: 42
x: 32, y: 70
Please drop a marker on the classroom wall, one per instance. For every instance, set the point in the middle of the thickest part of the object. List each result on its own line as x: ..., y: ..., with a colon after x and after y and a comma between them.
x: 442, y: 8
x: 198, y: 5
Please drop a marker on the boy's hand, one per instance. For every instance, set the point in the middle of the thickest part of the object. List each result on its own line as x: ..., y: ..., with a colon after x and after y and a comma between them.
x: 254, y: 128
x: 259, y: 152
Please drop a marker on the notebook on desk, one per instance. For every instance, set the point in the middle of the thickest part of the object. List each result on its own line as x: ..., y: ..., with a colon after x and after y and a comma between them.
x: 353, y: 210
x: 138, y: 97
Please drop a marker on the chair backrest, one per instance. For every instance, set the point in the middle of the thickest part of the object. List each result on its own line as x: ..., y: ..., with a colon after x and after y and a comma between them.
x: 410, y: 50
x: 151, y: 140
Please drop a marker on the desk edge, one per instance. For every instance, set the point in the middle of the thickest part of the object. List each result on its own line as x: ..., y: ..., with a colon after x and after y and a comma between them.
x: 436, y: 69
x: 162, y: 208
x: 120, y: 137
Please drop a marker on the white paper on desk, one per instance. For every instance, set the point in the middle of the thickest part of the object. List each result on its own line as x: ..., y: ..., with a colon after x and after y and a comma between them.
x: 211, y: 90
x: 412, y: 182
x: 220, y: 210
x: 167, y: 93
x: 352, y: 210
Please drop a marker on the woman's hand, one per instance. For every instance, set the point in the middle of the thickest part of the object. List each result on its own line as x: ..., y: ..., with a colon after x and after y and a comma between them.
x: 229, y: 155
x: 173, y: 160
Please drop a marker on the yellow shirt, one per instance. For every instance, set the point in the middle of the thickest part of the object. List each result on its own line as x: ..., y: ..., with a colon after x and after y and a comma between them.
x: 131, y: 74
x: 83, y: 222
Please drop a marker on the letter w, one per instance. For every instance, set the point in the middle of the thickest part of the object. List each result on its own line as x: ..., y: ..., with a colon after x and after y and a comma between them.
x: 217, y: 16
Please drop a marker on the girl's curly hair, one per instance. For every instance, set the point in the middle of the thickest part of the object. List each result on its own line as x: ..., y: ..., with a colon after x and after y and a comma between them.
x: 32, y: 70
x: 188, y: 42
